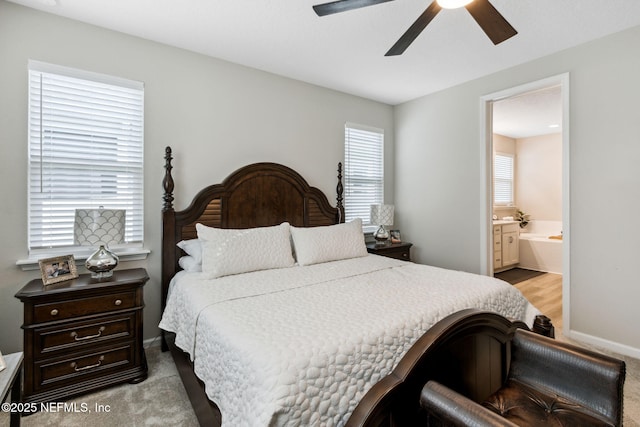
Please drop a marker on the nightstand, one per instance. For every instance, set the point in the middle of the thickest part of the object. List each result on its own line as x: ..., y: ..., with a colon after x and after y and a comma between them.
x: 393, y: 250
x: 82, y: 335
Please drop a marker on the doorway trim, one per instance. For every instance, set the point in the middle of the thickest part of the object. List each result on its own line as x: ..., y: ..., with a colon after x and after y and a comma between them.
x: 486, y: 178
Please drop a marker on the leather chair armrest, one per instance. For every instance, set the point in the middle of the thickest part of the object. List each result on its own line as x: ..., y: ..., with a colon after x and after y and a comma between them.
x: 590, y: 379
x: 454, y: 409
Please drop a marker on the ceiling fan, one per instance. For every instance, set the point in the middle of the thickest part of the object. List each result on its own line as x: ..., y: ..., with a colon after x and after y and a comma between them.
x: 490, y: 20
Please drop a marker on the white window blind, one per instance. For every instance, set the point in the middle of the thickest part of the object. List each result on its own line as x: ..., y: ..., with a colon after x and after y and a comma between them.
x: 85, y: 151
x: 503, y: 179
x: 363, y: 172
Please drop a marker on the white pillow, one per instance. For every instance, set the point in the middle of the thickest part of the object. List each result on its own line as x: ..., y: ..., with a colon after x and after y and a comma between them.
x: 314, y: 245
x: 192, y: 247
x: 190, y: 264
x: 232, y: 251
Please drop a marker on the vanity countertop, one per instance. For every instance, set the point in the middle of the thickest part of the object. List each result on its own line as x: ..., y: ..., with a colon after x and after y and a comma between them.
x: 502, y: 222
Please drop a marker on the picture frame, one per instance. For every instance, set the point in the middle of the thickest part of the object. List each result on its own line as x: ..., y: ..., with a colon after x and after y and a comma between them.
x: 58, y: 269
x: 395, y: 236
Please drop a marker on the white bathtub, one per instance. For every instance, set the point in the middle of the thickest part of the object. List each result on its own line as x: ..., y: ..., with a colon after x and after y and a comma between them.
x: 537, y: 250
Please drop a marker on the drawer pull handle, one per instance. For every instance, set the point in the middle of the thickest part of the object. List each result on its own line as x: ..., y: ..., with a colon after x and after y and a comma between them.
x: 74, y: 365
x: 118, y: 302
x: 54, y: 312
x: 75, y: 336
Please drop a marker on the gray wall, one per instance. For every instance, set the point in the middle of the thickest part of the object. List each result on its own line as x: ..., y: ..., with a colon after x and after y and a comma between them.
x: 217, y: 116
x: 438, y: 175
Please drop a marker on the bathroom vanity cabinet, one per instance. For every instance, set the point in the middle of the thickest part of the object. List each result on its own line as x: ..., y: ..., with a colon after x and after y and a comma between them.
x: 505, y: 245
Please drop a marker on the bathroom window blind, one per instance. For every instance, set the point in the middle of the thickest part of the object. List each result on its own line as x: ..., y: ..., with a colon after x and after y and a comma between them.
x: 363, y: 172
x: 503, y: 179
x: 85, y: 151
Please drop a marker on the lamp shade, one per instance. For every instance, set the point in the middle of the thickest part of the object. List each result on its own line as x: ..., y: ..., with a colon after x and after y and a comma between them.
x: 95, y: 227
x: 382, y: 214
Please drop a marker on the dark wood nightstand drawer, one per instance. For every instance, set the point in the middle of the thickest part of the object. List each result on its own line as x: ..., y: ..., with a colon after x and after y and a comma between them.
x: 398, y: 253
x: 394, y: 250
x: 79, y: 368
x: 83, y: 307
x: 81, y: 334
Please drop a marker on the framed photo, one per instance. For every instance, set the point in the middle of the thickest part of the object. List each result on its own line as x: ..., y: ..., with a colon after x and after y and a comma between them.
x: 58, y: 269
x: 395, y: 236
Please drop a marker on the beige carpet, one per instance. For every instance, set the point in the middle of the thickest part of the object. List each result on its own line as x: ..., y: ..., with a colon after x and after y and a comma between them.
x: 162, y: 401
x: 631, y: 385
x: 632, y: 393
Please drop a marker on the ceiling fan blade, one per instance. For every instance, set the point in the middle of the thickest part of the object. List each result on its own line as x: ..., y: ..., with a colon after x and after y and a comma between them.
x: 491, y: 21
x: 414, y: 31
x: 343, y: 6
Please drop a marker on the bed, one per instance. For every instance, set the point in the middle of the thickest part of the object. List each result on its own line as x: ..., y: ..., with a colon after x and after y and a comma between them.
x: 314, y: 336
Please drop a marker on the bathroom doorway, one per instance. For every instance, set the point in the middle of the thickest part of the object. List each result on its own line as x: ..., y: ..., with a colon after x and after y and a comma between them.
x: 525, y: 126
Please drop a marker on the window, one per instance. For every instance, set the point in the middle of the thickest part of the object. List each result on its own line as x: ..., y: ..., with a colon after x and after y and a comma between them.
x: 503, y: 179
x: 85, y: 151
x: 363, y: 172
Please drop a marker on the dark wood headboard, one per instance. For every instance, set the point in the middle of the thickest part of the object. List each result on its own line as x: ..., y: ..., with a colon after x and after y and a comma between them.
x: 257, y: 195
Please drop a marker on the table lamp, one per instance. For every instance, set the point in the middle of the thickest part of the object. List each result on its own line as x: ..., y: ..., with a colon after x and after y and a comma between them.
x: 100, y: 227
x: 382, y: 215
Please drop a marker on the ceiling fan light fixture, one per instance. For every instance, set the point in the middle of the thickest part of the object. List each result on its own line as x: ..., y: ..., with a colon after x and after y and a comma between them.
x: 453, y: 4
x: 486, y: 16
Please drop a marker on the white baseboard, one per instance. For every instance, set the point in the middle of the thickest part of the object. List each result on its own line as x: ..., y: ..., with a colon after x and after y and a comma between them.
x: 152, y: 342
x: 611, y: 346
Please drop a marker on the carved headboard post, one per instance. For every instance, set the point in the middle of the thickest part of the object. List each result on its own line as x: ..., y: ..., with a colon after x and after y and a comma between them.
x: 167, y: 182
x: 339, y: 191
x: 168, y: 234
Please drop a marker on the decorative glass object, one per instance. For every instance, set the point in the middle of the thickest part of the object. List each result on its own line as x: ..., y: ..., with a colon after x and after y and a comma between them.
x: 101, y: 263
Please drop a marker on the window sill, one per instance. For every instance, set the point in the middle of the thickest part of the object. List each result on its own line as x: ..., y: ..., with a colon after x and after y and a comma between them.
x: 124, y: 255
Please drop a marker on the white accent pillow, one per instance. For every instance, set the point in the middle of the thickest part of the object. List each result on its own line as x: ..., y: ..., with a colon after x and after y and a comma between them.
x: 314, y: 245
x: 192, y: 247
x: 233, y: 251
x: 190, y: 264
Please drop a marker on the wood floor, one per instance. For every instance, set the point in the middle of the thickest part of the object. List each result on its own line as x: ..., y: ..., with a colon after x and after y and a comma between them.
x: 545, y: 292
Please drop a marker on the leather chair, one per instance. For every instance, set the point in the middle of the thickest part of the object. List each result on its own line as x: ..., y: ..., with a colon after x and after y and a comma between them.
x: 549, y: 383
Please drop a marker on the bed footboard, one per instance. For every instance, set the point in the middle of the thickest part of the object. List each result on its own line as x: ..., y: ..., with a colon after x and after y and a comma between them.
x: 467, y: 351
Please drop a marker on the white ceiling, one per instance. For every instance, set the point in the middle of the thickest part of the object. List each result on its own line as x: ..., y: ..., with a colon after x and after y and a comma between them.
x: 530, y: 114
x: 346, y: 51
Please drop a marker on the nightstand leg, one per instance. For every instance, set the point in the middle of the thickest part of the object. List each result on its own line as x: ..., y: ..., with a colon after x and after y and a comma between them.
x: 145, y: 370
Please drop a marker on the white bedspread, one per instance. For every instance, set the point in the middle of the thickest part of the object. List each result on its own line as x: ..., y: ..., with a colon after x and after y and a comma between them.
x: 302, y: 345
